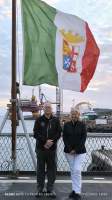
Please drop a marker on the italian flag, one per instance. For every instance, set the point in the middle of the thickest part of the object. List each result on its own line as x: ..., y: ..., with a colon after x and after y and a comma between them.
x: 59, y: 48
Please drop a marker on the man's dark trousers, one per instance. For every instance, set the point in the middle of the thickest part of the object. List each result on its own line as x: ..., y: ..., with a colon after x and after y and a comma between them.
x: 46, y: 161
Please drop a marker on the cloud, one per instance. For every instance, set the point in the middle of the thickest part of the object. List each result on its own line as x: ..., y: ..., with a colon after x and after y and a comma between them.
x: 2, y: 2
x: 102, y: 81
x: 105, y: 48
x: 7, y: 13
x: 92, y: 89
x: 105, y: 60
x: 51, y: 2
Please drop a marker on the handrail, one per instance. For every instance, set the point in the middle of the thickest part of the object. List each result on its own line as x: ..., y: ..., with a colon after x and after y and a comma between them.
x: 88, y: 134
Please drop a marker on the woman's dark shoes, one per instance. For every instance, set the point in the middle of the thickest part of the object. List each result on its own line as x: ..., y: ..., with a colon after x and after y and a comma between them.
x: 77, y: 196
x: 71, y: 195
x: 74, y: 195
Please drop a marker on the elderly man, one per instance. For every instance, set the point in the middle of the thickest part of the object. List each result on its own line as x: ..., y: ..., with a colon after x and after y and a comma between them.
x: 74, y: 137
x: 47, y: 131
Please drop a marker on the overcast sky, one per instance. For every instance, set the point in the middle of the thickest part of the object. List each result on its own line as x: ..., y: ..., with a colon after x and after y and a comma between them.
x: 98, y: 14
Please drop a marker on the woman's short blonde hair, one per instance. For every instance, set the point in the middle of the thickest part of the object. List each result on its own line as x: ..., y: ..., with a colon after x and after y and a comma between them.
x: 74, y: 109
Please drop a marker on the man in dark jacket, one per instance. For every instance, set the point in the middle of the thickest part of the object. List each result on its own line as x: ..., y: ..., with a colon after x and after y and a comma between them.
x: 74, y: 137
x: 47, y: 131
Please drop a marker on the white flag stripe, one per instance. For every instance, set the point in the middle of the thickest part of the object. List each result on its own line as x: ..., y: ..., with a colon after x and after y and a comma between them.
x: 68, y: 80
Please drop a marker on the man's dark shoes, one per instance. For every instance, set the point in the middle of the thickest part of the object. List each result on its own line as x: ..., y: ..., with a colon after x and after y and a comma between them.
x: 51, y: 194
x: 39, y: 193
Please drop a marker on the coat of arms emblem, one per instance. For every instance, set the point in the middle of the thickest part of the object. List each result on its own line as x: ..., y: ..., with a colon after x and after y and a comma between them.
x: 71, y: 50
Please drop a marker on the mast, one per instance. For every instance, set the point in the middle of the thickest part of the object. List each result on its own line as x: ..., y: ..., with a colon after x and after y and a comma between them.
x: 13, y: 89
x: 57, y: 102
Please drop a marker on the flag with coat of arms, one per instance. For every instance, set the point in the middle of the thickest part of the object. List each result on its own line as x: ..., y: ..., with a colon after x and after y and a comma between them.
x: 59, y: 48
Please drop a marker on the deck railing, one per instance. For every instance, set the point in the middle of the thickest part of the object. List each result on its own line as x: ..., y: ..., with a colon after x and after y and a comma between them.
x: 98, y: 157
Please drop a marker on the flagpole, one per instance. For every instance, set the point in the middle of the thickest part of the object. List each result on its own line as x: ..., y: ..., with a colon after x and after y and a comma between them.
x: 13, y: 89
x: 57, y: 102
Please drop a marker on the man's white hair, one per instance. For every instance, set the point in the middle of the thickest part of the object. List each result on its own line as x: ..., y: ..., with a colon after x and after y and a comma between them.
x: 74, y: 109
x: 47, y: 104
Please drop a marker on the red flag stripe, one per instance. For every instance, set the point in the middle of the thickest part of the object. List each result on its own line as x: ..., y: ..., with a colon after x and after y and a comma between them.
x: 89, y: 60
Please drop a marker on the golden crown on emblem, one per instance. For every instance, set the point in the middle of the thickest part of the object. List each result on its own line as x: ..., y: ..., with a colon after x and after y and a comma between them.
x: 71, y: 38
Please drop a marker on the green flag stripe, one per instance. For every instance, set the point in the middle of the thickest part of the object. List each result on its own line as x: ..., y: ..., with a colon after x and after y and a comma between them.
x: 39, y: 43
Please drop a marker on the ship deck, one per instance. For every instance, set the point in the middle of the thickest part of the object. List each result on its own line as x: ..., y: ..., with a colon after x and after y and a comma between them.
x: 24, y: 187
